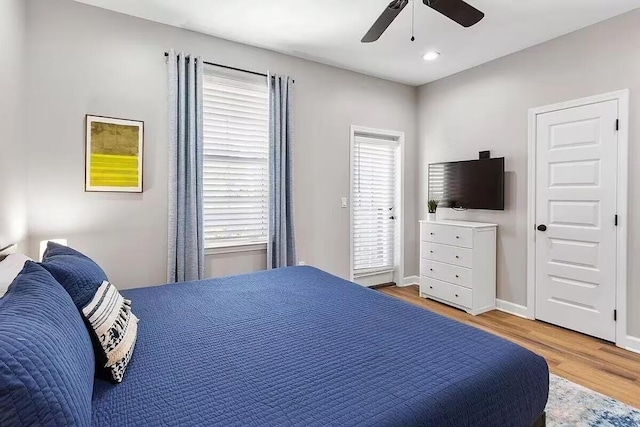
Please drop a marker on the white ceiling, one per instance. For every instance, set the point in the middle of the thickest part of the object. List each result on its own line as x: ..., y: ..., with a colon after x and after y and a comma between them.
x: 329, y: 31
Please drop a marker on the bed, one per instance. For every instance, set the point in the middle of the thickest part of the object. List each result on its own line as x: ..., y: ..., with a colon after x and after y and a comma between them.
x: 299, y: 346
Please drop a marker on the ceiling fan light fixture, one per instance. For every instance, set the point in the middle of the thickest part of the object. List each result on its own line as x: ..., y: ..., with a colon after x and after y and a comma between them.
x: 431, y: 56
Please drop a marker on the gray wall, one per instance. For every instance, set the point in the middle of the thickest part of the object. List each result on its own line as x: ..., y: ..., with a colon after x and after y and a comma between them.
x: 486, y: 108
x: 13, y: 226
x: 85, y: 60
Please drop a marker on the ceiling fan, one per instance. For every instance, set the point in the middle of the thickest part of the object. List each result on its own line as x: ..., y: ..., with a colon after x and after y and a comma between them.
x: 456, y: 10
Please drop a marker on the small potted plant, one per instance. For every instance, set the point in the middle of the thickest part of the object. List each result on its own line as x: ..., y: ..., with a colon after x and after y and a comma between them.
x: 432, y: 205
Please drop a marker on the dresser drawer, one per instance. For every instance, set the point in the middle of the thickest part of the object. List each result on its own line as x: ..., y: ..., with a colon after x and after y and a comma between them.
x: 446, y: 234
x: 448, y: 254
x: 446, y: 292
x: 446, y: 272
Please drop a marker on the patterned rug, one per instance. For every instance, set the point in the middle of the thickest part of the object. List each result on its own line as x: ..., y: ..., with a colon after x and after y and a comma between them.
x: 571, y: 404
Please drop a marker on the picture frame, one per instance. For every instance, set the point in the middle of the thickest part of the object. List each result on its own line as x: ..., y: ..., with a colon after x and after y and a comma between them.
x: 114, y: 154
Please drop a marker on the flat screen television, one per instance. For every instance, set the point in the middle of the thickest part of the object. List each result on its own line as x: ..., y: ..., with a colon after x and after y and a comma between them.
x: 472, y: 184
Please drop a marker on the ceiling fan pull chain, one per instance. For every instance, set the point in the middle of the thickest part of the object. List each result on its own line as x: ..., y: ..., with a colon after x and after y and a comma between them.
x: 413, y: 19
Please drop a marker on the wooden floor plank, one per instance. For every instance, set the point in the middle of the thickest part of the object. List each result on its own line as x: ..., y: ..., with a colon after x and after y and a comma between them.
x: 594, y: 363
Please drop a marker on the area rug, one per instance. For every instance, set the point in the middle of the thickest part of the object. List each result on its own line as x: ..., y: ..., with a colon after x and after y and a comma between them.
x: 571, y: 404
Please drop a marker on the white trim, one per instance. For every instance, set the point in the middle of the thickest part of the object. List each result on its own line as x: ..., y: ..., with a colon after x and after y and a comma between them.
x: 8, y: 250
x: 352, y: 137
x: 531, y: 216
x: 408, y: 281
x: 391, y: 135
x: 511, y: 308
x: 623, y: 215
x: 230, y: 249
x: 374, y: 273
x: 633, y: 344
x: 622, y: 204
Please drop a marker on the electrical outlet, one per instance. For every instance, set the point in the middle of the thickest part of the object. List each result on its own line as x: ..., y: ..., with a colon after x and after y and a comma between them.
x: 344, y: 202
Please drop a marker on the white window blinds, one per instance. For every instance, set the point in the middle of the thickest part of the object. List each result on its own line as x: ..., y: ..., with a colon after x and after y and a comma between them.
x: 374, y: 198
x: 236, y: 156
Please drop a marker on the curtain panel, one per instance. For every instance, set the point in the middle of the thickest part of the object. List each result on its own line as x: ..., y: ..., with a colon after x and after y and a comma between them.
x: 186, y: 231
x: 281, y: 248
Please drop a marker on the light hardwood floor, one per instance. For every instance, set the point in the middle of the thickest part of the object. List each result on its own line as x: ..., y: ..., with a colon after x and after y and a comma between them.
x: 594, y: 363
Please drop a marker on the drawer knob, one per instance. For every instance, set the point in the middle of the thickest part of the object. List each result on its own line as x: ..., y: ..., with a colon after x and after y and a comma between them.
x: 430, y: 287
x: 431, y: 234
x: 456, y: 295
x: 431, y: 269
x: 430, y: 251
x: 457, y: 277
x: 457, y: 237
x: 457, y: 257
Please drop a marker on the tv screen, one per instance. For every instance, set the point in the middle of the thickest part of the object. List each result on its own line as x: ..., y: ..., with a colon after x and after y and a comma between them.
x: 472, y: 184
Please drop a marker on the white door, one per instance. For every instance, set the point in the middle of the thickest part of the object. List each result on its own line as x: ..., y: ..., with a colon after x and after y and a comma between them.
x: 375, y: 210
x: 576, y: 203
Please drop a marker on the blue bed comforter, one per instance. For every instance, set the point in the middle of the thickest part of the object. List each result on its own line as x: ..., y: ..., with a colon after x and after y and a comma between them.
x: 301, y: 347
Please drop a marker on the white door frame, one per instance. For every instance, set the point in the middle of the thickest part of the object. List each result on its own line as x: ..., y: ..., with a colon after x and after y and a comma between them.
x: 622, y: 202
x: 399, y: 213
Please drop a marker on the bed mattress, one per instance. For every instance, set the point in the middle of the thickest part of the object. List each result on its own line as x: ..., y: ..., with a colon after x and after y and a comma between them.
x: 301, y: 347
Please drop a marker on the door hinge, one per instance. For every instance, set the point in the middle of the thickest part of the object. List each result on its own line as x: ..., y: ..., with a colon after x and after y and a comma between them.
x: 616, y: 220
x: 615, y: 315
x: 617, y: 124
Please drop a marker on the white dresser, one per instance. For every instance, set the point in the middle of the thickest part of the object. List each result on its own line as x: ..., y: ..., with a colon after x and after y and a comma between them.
x: 458, y: 264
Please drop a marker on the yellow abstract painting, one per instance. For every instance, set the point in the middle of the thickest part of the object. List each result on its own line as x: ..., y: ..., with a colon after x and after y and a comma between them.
x: 114, y: 155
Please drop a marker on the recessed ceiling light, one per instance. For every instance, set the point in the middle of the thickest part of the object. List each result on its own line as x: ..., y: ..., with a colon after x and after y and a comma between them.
x: 430, y: 56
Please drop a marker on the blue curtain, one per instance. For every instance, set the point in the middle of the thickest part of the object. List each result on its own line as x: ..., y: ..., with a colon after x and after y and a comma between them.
x: 186, y: 231
x: 281, y: 249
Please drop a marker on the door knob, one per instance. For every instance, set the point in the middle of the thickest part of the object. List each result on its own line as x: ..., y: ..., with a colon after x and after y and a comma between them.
x: 542, y: 227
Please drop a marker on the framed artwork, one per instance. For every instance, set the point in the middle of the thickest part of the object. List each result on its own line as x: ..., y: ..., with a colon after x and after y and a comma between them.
x: 114, y: 154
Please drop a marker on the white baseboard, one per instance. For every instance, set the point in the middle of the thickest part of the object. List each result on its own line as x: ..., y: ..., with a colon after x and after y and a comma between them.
x: 633, y: 344
x: 408, y: 281
x: 511, y: 308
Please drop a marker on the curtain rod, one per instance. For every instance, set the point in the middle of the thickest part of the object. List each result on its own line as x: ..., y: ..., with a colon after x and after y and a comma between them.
x: 229, y: 68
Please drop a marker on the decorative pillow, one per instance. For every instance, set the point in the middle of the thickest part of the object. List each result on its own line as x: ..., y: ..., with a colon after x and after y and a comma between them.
x: 10, y: 267
x: 115, y: 327
x: 46, y: 358
x: 77, y: 273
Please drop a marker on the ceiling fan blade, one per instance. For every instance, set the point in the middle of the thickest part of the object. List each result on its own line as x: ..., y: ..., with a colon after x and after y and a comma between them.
x: 383, y: 22
x: 456, y: 10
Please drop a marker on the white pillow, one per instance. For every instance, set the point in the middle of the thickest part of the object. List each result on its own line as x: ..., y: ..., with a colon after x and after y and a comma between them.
x: 10, y: 267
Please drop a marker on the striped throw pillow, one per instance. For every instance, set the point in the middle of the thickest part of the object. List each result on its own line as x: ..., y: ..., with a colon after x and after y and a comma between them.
x: 114, y: 326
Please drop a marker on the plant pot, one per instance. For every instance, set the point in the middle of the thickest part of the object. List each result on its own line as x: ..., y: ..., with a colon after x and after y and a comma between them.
x: 431, y: 216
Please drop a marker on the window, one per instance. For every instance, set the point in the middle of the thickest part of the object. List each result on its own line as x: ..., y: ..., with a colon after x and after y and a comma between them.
x: 236, y: 159
x: 375, y: 197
